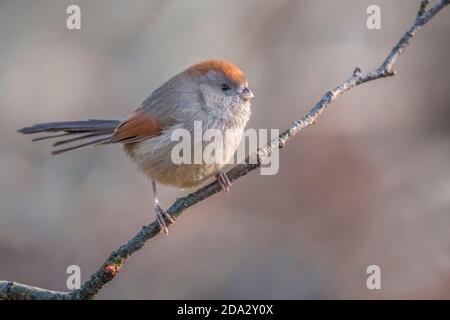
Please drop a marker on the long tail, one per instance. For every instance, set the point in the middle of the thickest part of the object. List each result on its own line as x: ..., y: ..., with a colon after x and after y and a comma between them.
x: 74, y: 131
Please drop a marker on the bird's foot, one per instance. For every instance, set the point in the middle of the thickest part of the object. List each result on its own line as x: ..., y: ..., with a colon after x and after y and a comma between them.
x: 224, y: 182
x: 161, y: 217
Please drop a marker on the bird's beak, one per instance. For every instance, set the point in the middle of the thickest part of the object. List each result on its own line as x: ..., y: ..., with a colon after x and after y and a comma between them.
x: 246, y: 94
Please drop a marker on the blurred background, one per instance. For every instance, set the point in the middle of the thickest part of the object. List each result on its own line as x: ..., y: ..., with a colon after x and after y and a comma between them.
x: 369, y: 184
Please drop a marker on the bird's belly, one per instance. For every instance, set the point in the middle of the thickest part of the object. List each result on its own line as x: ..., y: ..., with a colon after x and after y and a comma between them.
x: 153, y: 157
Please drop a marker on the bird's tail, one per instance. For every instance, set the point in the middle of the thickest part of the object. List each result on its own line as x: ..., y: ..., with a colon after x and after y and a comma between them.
x: 90, y: 132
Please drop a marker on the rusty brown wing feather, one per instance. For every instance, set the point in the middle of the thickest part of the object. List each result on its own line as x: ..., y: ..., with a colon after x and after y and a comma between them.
x: 138, y: 126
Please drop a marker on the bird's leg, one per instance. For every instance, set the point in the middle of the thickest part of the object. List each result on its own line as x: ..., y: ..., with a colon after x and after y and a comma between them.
x: 224, y: 182
x: 161, y: 214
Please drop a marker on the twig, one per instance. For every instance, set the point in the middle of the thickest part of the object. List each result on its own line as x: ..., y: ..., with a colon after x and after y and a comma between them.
x: 15, y: 291
x: 423, y: 7
x: 107, y: 272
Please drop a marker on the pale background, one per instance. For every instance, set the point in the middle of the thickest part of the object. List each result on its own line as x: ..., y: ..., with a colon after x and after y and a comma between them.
x: 369, y: 184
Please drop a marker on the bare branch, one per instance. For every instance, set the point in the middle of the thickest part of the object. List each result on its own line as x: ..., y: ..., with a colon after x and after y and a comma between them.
x: 109, y: 270
x: 15, y: 291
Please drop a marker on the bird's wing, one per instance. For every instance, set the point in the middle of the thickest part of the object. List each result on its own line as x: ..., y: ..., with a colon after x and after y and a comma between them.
x: 138, y: 126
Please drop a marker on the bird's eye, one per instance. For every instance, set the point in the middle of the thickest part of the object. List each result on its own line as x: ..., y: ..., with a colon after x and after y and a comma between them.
x: 225, y: 87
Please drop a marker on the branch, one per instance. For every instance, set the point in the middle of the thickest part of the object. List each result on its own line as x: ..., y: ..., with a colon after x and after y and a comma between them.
x: 15, y: 291
x: 109, y: 270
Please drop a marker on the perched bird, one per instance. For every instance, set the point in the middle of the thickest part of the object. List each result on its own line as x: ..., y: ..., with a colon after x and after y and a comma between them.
x: 214, y: 93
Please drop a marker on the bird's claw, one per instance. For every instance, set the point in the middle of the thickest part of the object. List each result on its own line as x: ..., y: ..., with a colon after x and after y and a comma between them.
x: 224, y: 182
x: 161, y: 217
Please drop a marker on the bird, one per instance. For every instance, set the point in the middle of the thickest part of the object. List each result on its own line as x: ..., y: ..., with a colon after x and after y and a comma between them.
x: 214, y: 93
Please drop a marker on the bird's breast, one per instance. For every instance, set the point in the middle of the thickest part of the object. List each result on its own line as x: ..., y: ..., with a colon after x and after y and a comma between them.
x: 155, y: 156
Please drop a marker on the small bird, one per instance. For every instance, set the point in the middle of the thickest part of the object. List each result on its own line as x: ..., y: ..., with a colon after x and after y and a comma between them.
x: 214, y: 92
